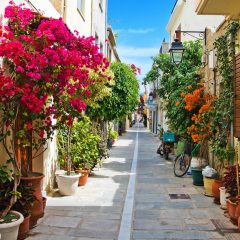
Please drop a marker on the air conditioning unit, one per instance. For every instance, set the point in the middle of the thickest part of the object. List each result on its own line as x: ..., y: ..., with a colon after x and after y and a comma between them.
x: 212, y: 59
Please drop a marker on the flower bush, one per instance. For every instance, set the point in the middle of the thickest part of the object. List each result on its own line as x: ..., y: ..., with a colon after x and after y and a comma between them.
x: 200, y: 104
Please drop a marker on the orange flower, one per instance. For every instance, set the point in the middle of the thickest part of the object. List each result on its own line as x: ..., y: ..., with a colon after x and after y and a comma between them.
x: 177, y: 103
x: 189, y: 87
x: 183, y: 94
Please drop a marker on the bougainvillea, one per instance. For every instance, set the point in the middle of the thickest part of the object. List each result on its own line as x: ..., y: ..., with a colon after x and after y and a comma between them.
x: 46, y: 68
x: 44, y: 78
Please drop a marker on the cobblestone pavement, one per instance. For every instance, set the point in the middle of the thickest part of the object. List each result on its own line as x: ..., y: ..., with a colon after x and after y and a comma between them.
x: 101, y: 210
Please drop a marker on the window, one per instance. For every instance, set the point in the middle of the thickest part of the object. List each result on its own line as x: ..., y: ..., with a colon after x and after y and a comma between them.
x: 81, y: 7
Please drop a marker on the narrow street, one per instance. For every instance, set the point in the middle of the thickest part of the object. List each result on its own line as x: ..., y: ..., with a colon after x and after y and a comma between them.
x: 118, y: 204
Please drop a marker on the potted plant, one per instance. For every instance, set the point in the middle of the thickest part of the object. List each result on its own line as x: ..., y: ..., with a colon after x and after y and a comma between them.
x: 112, y: 135
x: 198, y: 162
x: 83, y: 149
x: 230, y: 184
x: 23, y: 205
x: 224, y: 156
x: 67, y: 180
x: 9, y: 220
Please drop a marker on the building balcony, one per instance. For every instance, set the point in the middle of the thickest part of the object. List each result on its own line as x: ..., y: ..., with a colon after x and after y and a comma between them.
x: 218, y: 7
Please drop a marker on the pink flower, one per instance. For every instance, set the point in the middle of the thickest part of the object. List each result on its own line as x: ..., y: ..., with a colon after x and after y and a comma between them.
x: 20, y: 69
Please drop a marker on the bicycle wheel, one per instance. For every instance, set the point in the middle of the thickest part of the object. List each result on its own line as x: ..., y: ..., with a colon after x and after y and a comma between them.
x: 181, y: 164
x: 161, y: 150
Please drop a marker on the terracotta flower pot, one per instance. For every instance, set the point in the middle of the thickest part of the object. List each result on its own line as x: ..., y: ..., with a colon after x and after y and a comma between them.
x: 24, y: 228
x: 231, y: 207
x: 35, y: 181
x: 83, y: 178
x: 239, y: 223
x: 215, y: 190
x: 44, y: 205
x: 237, y: 213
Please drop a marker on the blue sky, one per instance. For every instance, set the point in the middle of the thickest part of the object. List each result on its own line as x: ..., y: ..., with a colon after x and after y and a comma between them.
x: 141, y: 27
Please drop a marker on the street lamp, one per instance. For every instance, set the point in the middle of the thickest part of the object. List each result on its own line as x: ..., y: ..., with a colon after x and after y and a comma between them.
x: 177, y: 48
x: 176, y: 51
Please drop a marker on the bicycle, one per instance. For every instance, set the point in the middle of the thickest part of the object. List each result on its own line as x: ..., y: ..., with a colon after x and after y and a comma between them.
x: 183, y: 161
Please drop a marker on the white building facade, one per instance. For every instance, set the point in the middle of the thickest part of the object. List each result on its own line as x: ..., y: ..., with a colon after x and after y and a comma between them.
x: 185, y: 18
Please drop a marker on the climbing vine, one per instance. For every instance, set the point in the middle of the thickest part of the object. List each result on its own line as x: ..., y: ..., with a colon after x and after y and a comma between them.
x: 222, y: 116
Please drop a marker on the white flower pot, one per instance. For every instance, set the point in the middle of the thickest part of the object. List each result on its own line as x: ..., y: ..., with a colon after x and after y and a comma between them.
x: 9, y: 231
x: 67, y: 185
x: 197, y: 162
x: 223, y: 196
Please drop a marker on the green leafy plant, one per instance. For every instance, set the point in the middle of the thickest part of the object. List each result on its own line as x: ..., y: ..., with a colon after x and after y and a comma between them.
x: 112, y: 134
x: 124, y: 97
x: 8, y: 196
x: 25, y: 200
x: 84, y: 145
x: 175, y: 81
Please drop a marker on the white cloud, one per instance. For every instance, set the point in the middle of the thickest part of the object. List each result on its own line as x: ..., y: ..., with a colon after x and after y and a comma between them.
x: 135, y: 31
x: 140, y: 31
x: 141, y: 57
x: 126, y: 51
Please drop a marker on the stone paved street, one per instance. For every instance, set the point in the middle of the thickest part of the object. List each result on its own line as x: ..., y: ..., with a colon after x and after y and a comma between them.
x: 101, y: 209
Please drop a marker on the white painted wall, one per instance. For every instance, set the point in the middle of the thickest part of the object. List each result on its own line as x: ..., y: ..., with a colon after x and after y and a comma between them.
x: 184, y: 14
x: 44, y: 6
x: 76, y: 20
x: 99, y: 22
